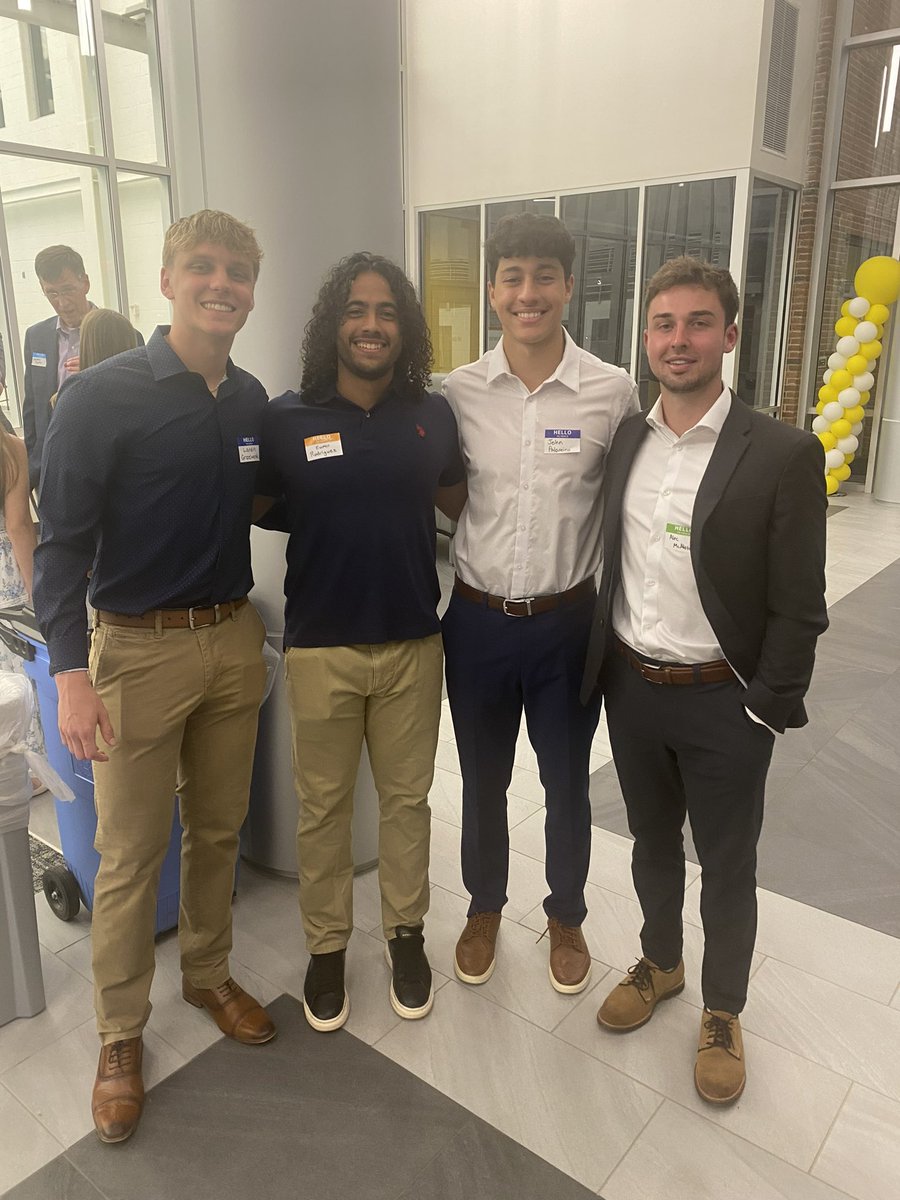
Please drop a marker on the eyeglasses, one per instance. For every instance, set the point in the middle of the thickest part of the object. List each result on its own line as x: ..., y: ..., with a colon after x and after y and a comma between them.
x: 66, y: 292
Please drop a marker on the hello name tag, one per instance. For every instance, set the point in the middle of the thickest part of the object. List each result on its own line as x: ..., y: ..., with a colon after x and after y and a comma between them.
x: 562, y: 441
x: 323, y: 445
x: 248, y: 449
x: 38, y: 359
x: 678, y: 536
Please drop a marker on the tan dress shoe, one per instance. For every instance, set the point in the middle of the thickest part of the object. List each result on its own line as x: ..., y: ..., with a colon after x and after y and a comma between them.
x: 720, y: 1073
x: 631, y: 1002
x: 476, y: 949
x: 118, y: 1097
x: 235, y: 1012
x: 570, y: 959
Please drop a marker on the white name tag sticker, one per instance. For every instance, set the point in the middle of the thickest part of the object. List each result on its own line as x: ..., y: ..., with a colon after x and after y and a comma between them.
x: 248, y: 449
x: 323, y: 445
x: 562, y: 441
x: 38, y: 359
x: 678, y: 536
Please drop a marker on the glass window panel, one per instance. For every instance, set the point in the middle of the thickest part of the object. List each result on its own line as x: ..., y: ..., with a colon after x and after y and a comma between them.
x: 600, y: 313
x: 132, y: 71
x: 48, y: 203
x: 449, y: 251
x: 684, y: 218
x: 874, y: 16
x: 146, y: 214
x: 9, y: 399
x: 862, y: 225
x: 493, y: 213
x: 870, y: 130
x: 49, y: 70
x: 763, y: 306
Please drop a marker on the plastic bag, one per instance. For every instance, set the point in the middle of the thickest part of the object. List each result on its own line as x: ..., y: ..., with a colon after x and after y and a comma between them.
x: 17, y: 762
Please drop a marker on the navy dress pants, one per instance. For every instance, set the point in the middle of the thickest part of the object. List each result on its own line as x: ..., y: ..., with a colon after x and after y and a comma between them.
x: 498, y: 665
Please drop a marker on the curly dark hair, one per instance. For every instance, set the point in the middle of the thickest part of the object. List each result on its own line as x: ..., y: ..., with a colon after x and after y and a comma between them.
x: 412, y: 372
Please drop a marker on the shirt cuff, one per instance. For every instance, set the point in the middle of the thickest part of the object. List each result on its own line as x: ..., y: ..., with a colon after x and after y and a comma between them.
x: 758, y: 720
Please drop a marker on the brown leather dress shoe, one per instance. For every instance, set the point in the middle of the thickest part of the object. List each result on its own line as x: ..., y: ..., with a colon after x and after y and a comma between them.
x: 475, y: 951
x: 235, y: 1012
x: 570, y: 959
x: 118, y: 1097
x: 633, y: 1000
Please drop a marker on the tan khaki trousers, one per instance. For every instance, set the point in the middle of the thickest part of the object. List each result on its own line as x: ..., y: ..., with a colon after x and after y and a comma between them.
x: 389, y: 694
x: 184, y: 706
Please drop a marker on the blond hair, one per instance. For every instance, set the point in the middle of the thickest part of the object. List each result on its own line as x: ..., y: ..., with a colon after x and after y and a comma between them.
x: 210, y: 225
x: 104, y: 333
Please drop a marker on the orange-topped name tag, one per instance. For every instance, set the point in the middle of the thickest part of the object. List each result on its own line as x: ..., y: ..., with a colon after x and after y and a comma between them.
x: 323, y: 445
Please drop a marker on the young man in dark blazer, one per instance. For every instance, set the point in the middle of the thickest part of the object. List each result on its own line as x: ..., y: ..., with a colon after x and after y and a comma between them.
x: 703, y: 642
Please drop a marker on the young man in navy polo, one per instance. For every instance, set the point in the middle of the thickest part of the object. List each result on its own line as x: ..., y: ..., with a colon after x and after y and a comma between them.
x: 360, y: 456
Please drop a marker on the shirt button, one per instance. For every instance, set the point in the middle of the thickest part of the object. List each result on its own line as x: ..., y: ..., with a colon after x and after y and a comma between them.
x: 527, y: 442
x: 667, y: 492
x: 651, y: 583
x: 525, y: 487
x: 655, y: 537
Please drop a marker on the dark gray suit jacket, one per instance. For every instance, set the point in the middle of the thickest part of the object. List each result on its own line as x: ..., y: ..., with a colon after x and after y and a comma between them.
x: 41, y: 367
x: 758, y: 553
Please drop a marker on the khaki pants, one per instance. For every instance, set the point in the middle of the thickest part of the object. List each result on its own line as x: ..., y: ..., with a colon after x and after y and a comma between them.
x: 184, y: 705
x: 391, y: 695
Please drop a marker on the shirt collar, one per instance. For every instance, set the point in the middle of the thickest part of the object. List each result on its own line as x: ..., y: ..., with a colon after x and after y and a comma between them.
x: 568, y: 371
x: 164, y: 362
x: 713, y: 419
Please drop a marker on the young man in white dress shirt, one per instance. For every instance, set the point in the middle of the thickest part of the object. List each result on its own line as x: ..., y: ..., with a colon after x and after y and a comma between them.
x: 536, y: 418
x: 703, y: 642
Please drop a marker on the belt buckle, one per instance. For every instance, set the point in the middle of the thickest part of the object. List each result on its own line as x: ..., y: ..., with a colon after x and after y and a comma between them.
x: 203, y: 624
x: 660, y: 674
x: 526, y: 600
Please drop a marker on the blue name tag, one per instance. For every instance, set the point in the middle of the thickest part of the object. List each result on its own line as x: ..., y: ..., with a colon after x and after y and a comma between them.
x: 38, y: 359
x: 248, y: 449
x: 562, y: 441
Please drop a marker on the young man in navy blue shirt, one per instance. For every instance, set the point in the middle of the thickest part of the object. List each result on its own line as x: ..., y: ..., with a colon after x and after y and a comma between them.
x: 360, y: 457
x: 148, y: 480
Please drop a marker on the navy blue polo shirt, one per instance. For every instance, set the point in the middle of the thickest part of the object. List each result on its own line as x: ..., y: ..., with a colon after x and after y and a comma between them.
x: 359, y: 492
x: 148, y: 481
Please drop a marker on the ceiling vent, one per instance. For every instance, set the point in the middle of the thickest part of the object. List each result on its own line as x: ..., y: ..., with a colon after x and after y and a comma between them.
x: 781, y: 76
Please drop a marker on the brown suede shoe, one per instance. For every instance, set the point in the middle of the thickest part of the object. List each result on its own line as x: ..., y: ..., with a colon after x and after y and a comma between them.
x: 720, y: 1074
x: 631, y: 1002
x: 476, y: 949
x: 118, y: 1097
x: 235, y: 1012
x: 570, y: 960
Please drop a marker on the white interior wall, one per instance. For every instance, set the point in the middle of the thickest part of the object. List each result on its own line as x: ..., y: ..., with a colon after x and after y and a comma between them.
x: 790, y: 165
x: 536, y: 96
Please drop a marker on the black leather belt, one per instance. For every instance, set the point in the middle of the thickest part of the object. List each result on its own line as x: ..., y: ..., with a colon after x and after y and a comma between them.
x: 525, y: 606
x: 717, y: 671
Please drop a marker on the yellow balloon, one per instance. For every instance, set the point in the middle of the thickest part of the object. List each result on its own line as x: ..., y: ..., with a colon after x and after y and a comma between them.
x: 839, y: 380
x: 848, y: 458
x: 871, y: 349
x: 845, y: 309
x: 865, y: 397
x: 878, y: 280
x: 854, y: 414
x: 820, y: 404
x: 878, y: 313
x: 857, y: 363
x: 828, y: 440
x: 879, y: 332
x: 844, y: 326
x: 842, y: 473
x: 827, y: 393
x: 841, y: 428
x: 831, y: 485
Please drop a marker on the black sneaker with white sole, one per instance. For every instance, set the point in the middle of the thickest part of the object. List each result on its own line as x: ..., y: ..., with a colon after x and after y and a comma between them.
x: 325, y: 1000
x: 412, y: 994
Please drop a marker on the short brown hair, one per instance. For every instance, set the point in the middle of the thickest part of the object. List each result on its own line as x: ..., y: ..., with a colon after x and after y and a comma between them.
x: 210, y: 225
x: 104, y: 333
x: 693, y: 272
x: 53, y: 260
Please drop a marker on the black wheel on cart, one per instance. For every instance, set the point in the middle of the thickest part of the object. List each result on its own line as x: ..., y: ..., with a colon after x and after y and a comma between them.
x: 62, y: 892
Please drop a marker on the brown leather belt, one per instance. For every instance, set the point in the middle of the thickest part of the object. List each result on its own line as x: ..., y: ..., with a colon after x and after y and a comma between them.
x: 198, y: 617
x: 717, y: 671
x: 525, y: 606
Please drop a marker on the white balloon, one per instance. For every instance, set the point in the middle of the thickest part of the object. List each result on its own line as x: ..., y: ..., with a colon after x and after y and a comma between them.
x: 870, y: 365
x: 837, y: 362
x: 821, y: 424
x: 833, y: 411
x: 857, y: 429
x: 848, y: 445
x: 847, y: 346
x: 848, y: 398
x: 858, y: 307
x: 864, y: 382
x: 826, y: 378
x: 866, y: 331
x: 833, y: 459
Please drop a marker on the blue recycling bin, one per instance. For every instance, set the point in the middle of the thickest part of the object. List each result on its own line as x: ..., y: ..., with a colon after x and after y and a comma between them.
x: 77, y: 819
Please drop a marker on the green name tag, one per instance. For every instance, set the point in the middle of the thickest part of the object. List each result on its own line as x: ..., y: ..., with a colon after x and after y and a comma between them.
x: 678, y: 530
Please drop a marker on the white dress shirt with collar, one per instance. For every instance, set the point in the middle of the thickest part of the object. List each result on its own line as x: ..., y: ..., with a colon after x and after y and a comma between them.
x: 534, y: 464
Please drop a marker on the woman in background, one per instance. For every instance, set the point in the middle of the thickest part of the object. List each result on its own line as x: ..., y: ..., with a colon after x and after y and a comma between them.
x: 104, y: 332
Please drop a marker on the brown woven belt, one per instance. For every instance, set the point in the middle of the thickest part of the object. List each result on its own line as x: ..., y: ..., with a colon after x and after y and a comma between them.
x: 525, y: 606
x: 674, y: 673
x: 198, y: 617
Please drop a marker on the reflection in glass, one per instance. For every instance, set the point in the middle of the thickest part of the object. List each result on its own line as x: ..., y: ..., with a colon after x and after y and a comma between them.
x: 132, y: 72
x: 449, y: 251
x: 764, y: 294
x: 862, y: 225
x: 49, y: 72
x: 684, y: 218
x: 493, y: 213
x: 870, y: 132
x: 146, y: 213
x: 874, y: 16
x: 600, y: 312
